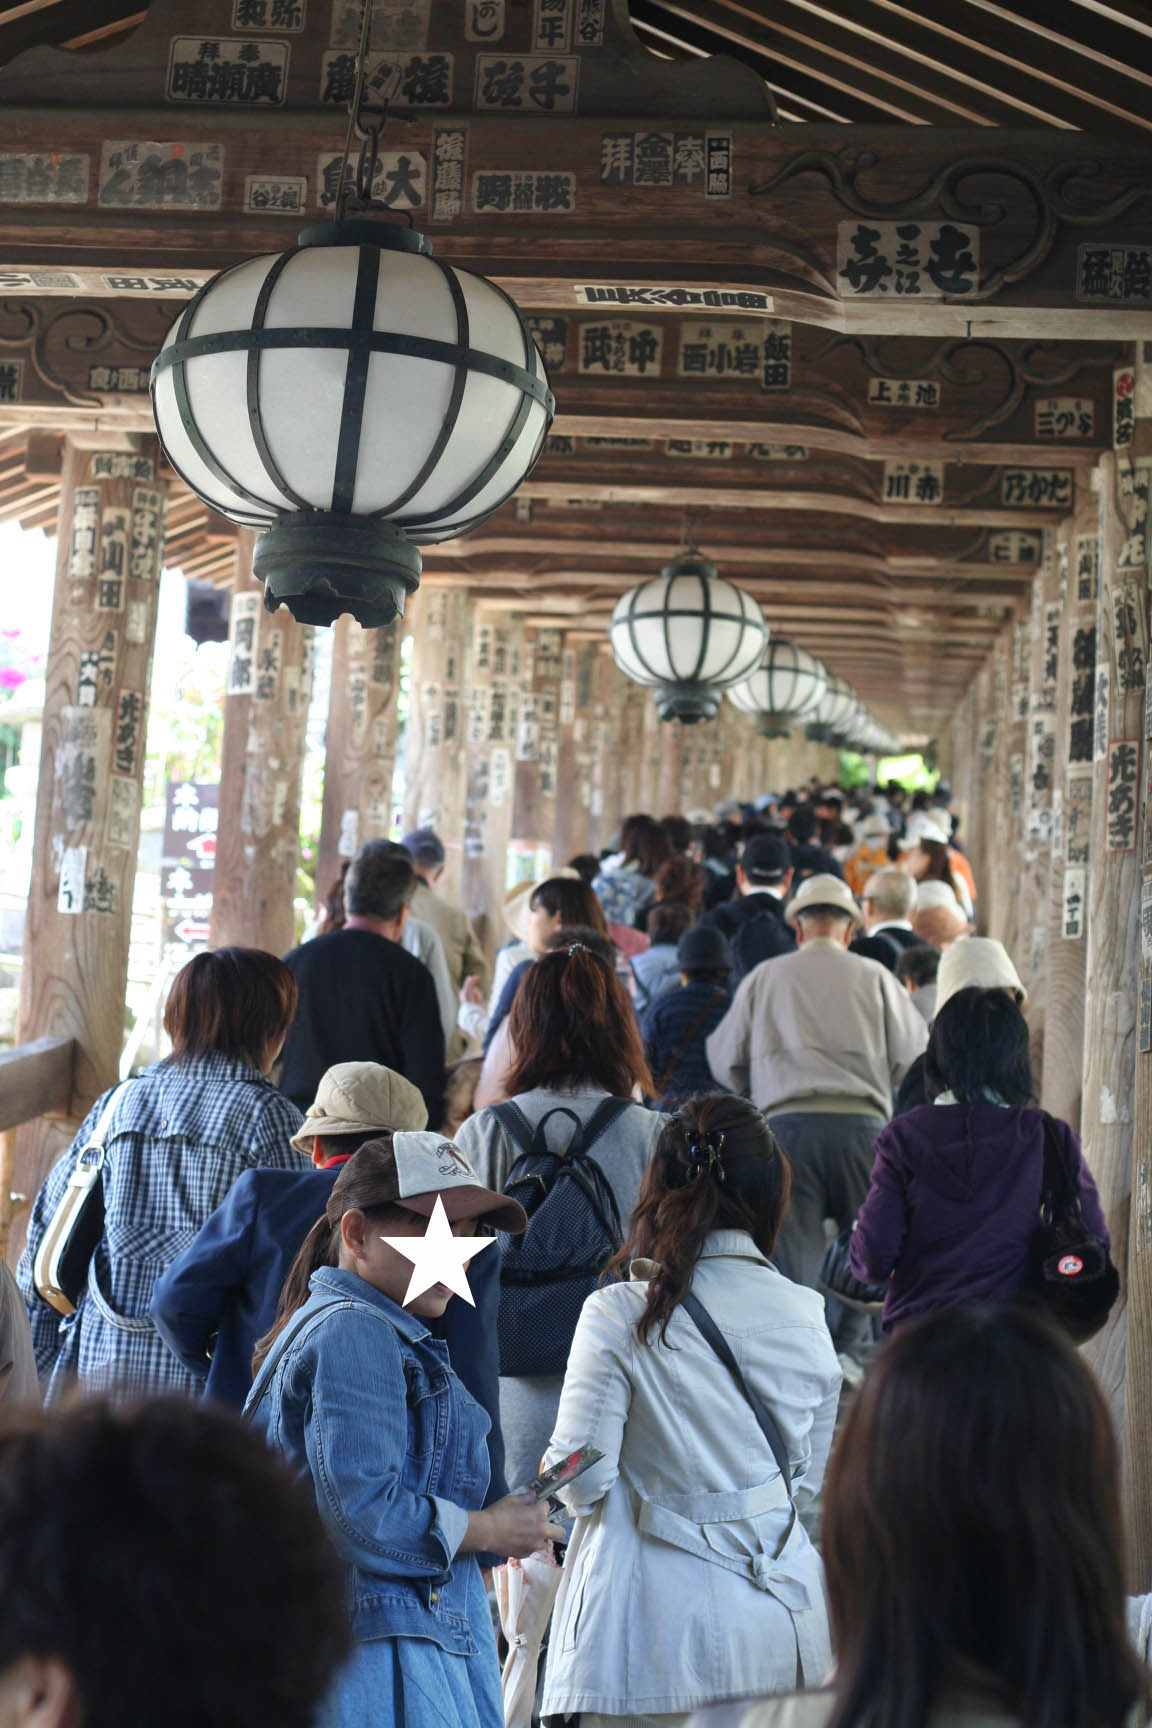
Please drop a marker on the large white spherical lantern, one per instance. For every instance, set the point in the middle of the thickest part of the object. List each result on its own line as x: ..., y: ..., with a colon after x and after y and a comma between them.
x: 787, y: 685
x: 688, y: 634
x: 836, y: 707
x: 354, y: 398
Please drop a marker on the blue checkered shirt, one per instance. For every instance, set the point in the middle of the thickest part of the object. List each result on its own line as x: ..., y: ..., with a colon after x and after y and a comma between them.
x: 180, y: 1135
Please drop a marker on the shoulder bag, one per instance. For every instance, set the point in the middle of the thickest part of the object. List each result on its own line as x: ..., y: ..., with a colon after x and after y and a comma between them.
x: 1070, y: 1272
x: 60, y: 1268
x: 837, y: 1278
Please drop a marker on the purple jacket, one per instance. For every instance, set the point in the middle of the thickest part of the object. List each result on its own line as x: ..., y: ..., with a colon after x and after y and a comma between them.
x: 953, y: 1206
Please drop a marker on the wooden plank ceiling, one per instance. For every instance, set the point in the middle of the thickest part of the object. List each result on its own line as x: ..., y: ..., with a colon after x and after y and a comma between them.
x: 913, y: 611
x: 1074, y: 64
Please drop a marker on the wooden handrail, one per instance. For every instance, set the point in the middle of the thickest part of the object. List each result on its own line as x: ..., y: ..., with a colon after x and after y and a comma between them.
x: 36, y: 1080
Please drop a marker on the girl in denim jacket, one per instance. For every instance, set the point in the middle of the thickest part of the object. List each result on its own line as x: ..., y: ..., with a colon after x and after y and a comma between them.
x: 353, y: 1388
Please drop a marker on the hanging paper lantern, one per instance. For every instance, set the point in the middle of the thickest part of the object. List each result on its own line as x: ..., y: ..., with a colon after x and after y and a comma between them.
x: 788, y: 684
x: 354, y: 398
x: 689, y: 635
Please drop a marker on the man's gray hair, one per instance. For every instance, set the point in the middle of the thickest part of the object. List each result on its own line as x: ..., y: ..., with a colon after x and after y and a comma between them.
x: 892, y: 892
x: 380, y: 881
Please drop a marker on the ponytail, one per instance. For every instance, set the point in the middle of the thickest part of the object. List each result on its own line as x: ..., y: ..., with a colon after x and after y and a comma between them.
x: 716, y: 1166
x: 318, y: 1249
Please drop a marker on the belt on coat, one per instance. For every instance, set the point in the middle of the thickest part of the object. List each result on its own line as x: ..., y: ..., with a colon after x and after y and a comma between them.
x: 699, y: 1523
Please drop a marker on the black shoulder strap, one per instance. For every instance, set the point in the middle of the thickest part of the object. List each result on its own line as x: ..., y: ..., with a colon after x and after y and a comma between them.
x: 515, y: 1124
x: 1060, y: 1194
x: 602, y: 1119
x: 768, y: 1424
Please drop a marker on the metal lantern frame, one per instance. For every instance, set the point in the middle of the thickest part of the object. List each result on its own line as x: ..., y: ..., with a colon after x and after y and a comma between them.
x: 836, y: 709
x: 318, y: 558
x: 690, y: 698
x: 774, y: 693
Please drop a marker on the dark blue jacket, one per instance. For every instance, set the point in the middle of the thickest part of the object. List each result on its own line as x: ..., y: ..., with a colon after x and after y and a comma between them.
x: 679, y: 1063
x: 227, y: 1283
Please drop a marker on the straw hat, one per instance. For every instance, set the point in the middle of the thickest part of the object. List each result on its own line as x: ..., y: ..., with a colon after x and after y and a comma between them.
x: 359, y: 1098
x: 816, y: 892
x: 977, y: 962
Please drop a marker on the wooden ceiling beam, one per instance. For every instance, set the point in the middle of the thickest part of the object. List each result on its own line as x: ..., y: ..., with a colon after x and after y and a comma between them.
x: 757, y: 498
x: 64, y: 24
x: 922, y: 102
x: 1122, y: 50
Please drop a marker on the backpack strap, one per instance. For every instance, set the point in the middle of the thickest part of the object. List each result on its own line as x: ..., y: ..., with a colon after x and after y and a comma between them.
x: 769, y: 1426
x: 601, y: 1120
x: 515, y: 1124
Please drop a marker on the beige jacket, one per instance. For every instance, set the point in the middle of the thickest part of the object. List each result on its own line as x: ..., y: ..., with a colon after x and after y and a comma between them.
x: 689, y: 1577
x: 818, y: 1029
x: 814, y: 1710
x: 462, y: 948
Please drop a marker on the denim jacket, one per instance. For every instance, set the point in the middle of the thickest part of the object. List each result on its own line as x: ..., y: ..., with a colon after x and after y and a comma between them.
x: 358, y: 1394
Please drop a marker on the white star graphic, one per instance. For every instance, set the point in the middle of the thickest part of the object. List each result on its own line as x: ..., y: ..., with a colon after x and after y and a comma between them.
x: 438, y: 1257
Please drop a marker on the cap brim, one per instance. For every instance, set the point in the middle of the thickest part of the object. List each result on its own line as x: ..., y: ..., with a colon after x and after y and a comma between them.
x: 498, y: 1210
x: 320, y: 1127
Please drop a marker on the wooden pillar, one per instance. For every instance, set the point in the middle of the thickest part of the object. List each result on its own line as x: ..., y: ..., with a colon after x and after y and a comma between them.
x: 1036, y: 833
x: 1113, y: 966
x: 627, y: 730
x: 1003, y: 735
x: 435, y: 765
x: 489, y: 739
x: 536, y: 755
x: 261, y: 764
x: 674, y: 742
x: 570, y: 834
x: 109, y: 543
x: 359, y: 744
x: 1077, y: 557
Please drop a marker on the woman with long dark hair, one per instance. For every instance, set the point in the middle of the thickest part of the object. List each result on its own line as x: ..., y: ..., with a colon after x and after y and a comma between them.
x: 553, y: 905
x: 689, y: 1576
x: 973, y: 1541
x: 576, y: 1046
x: 627, y: 878
x: 954, y: 1201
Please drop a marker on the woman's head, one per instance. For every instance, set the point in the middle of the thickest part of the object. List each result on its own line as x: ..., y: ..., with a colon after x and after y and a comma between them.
x: 390, y: 1188
x: 716, y: 1166
x: 645, y: 844
x: 979, y: 1044
x: 668, y: 921
x: 679, y: 879
x: 972, y: 1530
x: 558, y: 902
x: 236, y: 1002
x: 572, y: 1025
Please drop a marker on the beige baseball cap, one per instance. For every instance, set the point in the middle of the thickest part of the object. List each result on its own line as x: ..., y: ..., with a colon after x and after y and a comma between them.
x: 820, y: 891
x: 357, y: 1098
x: 416, y: 1170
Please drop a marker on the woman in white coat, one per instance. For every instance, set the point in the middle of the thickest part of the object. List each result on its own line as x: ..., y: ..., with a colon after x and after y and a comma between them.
x: 689, y: 1576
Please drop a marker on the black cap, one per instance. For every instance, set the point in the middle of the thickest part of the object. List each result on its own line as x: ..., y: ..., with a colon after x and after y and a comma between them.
x: 766, y: 858
x: 703, y: 949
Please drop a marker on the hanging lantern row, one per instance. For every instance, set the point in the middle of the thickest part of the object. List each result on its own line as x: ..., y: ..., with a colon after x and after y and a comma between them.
x: 788, y: 685
x: 687, y: 634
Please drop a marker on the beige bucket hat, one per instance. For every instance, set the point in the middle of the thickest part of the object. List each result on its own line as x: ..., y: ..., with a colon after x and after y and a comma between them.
x: 817, y: 891
x: 357, y: 1098
x: 978, y: 962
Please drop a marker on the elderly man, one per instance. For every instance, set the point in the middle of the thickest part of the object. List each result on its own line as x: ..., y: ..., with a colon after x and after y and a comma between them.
x: 462, y: 949
x: 819, y: 1040
x: 887, y: 903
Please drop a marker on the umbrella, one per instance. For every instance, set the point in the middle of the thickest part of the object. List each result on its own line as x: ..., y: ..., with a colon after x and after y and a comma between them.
x: 525, y: 1592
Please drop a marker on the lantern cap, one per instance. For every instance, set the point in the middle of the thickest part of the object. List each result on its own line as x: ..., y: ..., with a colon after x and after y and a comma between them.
x: 321, y: 565
x: 389, y: 236
x: 688, y: 702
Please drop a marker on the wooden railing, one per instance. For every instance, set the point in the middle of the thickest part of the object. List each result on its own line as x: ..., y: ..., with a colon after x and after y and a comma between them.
x: 35, y: 1080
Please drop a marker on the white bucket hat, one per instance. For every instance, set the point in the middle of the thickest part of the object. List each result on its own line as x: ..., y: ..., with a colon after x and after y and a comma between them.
x: 930, y: 894
x: 929, y: 830
x: 820, y: 891
x: 977, y: 962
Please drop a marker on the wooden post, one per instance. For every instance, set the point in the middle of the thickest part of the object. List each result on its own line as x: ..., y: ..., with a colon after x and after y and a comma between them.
x: 261, y: 764
x: 360, y: 744
x: 1036, y: 832
x: 489, y: 738
x: 435, y: 765
x: 110, y: 539
x: 675, y: 740
x: 1113, y: 966
x: 536, y: 756
x: 1077, y: 557
x: 571, y: 826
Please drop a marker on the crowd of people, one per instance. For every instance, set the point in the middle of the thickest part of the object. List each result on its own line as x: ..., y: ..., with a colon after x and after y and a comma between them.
x: 741, y: 1113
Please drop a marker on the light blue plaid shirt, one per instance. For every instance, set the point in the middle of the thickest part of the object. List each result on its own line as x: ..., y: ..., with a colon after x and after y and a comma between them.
x: 180, y: 1135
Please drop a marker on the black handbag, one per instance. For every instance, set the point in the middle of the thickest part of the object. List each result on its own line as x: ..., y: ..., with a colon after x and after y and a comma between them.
x: 1070, y: 1272
x: 72, y: 1234
x: 839, y: 1280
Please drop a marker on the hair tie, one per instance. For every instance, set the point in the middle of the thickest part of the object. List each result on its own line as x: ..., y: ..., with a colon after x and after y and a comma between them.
x: 704, y: 1150
x: 582, y: 947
